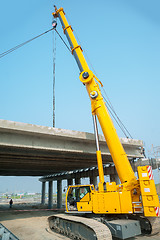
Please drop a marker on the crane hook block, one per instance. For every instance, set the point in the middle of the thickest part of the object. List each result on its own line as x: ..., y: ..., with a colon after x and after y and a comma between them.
x: 54, y: 24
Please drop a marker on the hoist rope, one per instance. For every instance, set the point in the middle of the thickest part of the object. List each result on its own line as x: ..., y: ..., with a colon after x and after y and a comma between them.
x: 54, y: 76
x: 119, y: 120
x: 63, y: 41
x: 116, y: 121
x: 116, y: 118
x: 24, y: 43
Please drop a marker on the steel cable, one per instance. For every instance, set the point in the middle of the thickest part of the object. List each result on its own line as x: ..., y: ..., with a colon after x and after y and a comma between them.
x: 22, y: 44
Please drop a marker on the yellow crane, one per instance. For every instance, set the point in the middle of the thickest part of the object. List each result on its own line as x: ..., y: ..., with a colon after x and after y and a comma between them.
x: 133, y: 196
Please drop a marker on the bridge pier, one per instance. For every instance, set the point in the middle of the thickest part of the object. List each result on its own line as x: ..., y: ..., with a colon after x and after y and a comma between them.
x: 59, y: 194
x: 43, y: 192
x: 50, y: 194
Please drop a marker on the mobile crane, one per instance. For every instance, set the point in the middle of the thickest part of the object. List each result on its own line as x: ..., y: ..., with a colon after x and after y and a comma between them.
x: 133, y: 197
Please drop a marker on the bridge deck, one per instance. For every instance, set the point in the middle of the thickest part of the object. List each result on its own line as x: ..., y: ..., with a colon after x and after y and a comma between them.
x: 31, y: 150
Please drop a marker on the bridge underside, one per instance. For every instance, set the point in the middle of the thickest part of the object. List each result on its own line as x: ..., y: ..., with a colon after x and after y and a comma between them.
x: 31, y: 150
x: 32, y: 162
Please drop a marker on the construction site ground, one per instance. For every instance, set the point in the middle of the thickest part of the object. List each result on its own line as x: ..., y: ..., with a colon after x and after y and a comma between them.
x: 29, y: 221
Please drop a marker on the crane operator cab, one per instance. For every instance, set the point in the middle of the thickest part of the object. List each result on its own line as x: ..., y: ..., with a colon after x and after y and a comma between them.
x: 79, y: 197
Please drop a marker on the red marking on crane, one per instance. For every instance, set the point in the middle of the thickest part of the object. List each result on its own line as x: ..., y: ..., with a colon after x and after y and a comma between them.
x: 157, y: 209
x: 149, y: 169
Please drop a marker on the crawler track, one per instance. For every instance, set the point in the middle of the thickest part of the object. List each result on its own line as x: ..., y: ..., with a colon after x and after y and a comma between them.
x: 79, y: 228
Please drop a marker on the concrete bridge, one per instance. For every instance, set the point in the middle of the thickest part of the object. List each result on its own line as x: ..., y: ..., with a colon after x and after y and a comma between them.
x: 31, y: 150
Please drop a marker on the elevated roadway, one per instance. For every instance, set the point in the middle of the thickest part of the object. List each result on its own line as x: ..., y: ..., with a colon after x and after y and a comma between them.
x: 32, y: 150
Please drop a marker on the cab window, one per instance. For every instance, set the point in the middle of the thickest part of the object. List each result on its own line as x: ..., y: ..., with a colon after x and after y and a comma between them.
x: 83, y: 191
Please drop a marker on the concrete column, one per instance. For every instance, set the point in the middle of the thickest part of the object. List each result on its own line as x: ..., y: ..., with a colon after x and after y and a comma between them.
x: 93, y: 180
x: 114, y: 178
x: 50, y: 194
x: 77, y: 181
x: 43, y: 193
x: 69, y: 182
x: 59, y: 193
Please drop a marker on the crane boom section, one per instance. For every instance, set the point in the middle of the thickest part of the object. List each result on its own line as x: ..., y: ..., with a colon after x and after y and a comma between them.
x: 75, y: 48
x: 99, y: 109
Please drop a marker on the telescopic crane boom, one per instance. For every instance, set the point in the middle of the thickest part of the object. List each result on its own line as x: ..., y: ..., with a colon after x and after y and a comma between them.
x: 132, y: 195
x: 99, y: 109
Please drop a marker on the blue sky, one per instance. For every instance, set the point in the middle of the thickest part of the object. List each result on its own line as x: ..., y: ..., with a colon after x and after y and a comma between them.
x: 121, y: 39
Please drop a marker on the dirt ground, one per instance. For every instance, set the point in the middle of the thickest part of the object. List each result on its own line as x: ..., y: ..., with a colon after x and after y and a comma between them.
x: 29, y: 221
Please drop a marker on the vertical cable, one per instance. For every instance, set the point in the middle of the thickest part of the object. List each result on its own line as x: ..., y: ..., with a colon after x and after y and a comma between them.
x: 54, y: 61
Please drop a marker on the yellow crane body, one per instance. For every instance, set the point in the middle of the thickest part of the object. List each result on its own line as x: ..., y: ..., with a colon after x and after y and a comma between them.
x: 133, y: 195
x: 112, y: 201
